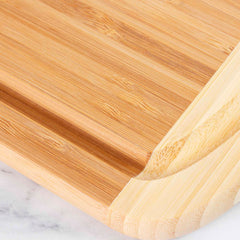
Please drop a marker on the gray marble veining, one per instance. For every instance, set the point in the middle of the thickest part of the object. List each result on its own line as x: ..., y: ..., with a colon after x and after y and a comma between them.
x: 30, y: 212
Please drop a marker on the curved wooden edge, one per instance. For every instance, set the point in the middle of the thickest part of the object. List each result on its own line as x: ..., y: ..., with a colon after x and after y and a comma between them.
x: 193, y: 175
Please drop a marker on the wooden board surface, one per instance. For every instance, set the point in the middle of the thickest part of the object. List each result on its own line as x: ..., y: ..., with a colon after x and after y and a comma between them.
x: 193, y: 175
x: 89, y: 88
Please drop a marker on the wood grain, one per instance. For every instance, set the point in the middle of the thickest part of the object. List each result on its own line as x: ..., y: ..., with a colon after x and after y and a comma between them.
x: 88, y: 90
x: 193, y: 174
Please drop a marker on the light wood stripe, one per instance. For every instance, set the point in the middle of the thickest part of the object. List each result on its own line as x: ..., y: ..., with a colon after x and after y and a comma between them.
x: 175, y: 194
x: 91, y: 94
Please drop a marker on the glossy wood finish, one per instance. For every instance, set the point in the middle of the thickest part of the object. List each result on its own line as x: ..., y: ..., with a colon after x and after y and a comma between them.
x: 89, y: 88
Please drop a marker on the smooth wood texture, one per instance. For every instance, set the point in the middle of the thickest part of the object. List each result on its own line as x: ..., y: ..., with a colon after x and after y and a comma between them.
x: 88, y: 89
x: 193, y: 175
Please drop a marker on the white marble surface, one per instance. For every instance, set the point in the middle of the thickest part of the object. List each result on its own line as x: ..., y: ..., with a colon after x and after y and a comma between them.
x: 30, y: 212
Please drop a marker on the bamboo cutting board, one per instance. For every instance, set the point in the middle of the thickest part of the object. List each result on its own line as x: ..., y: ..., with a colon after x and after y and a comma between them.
x: 91, y: 94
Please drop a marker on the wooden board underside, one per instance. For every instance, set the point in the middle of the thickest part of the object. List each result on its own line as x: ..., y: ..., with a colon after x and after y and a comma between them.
x: 89, y: 88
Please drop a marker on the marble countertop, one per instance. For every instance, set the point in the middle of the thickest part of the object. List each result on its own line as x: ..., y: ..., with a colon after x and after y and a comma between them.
x: 30, y: 212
